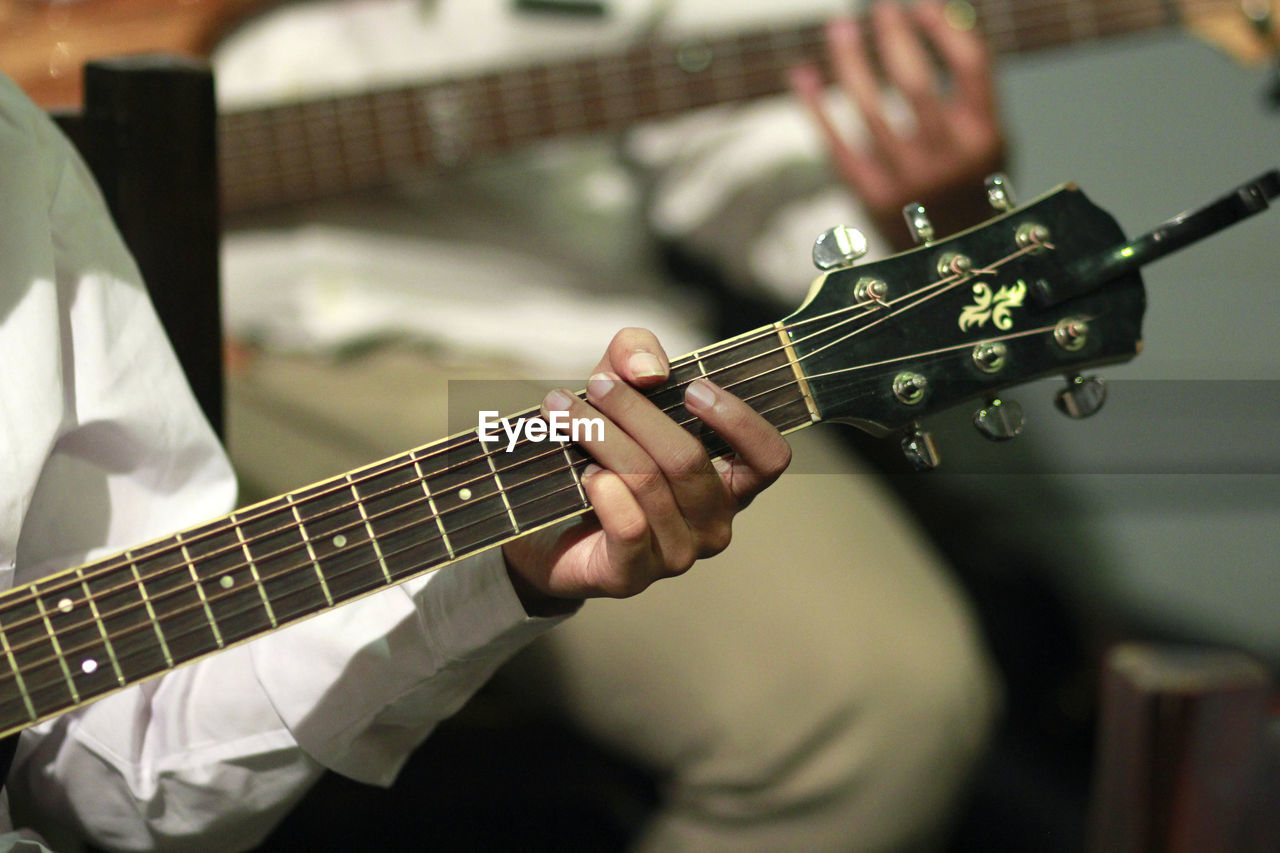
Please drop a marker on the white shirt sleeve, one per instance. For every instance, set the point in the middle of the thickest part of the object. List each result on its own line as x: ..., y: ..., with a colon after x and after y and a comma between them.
x: 111, y: 450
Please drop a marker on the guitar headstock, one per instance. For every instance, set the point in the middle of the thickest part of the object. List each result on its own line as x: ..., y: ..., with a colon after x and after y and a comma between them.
x: 886, y: 343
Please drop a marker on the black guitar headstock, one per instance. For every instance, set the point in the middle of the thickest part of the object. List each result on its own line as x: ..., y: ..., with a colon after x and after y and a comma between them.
x: 1051, y: 287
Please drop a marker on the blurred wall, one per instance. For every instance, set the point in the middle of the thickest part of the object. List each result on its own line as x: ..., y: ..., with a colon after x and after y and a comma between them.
x: 1164, y: 507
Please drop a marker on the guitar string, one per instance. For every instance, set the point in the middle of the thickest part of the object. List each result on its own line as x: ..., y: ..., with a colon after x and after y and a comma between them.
x: 238, y: 523
x: 341, y: 484
x: 415, y: 523
x: 60, y: 681
x: 120, y: 657
x: 345, y: 485
x: 529, y: 103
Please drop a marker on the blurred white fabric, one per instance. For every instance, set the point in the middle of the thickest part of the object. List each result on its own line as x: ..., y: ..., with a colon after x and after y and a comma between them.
x: 321, y: 288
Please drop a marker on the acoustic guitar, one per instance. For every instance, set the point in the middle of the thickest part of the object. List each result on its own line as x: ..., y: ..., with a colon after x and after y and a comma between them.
x: 1049, y: 288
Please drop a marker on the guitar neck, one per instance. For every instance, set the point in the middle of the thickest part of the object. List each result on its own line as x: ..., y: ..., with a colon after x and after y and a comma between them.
x: 326, y: 146
x: 83, y: 633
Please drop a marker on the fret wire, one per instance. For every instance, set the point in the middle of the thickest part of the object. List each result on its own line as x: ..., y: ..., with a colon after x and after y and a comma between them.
x: 102, y: 628
x: 57, y: 647
x: 552, y: 118
x: 311, y: 554
x: 662, y: 71
x: 325, y: 148
x: 382, y: 134
x: 577, y: 478
x: 373, y: 537
x: 253, y: 570
x: 283, y: 145
x: 151, y: 613
x: 356, y: 151
x: 702, y: 368
x: 199, y: 588
x: 431, y: 503
x: 488, y: 457
x: 17, y: 675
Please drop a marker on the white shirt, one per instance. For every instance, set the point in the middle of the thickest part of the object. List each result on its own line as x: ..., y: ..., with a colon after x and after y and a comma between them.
x: 102, y: 446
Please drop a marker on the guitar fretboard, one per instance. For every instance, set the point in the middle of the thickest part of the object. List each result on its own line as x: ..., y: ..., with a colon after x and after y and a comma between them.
x: 80, y: 634
x: 329, y: 145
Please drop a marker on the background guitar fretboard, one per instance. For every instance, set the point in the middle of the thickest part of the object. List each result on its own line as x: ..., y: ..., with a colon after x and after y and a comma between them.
x: 329, y: 145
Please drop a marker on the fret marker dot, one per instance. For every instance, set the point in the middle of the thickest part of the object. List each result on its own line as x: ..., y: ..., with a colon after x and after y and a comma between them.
x: 465, y: 494
x: 88, y: 666
x: 65, y: 605
x: 226, y: 581
x: 339, y: 541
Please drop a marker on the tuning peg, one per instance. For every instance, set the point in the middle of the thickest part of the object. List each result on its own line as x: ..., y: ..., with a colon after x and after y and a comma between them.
x: 1082, y: 397
x: 838, y: 247
x: 918, y: 223
x: 999, y: 420
x: 920, y: 449
x: 1000, y: 192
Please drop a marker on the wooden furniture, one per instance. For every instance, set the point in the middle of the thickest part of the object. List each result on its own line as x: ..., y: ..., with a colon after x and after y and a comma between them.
x: 148, y: 131
x: 1188, y: 756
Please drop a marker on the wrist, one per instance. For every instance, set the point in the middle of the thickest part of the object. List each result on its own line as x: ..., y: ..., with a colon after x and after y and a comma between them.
x: 537, y: 603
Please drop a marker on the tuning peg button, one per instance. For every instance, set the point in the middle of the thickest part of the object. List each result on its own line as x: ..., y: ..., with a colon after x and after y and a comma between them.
x: 838, y: 247
x: 1000, y: 192
x: 918, y: 223
x: 920, y: 449
x: 1082, y: 397
x: 999, y: 420
x: 909, y: 387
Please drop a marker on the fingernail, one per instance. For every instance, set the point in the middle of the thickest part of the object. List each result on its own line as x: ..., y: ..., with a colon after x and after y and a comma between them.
x: 645, y: 364
x: 701, y: 394
x: 600, y: 385
x: 721, y: 464
x: 590, y: 471
x: 558, y: 400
